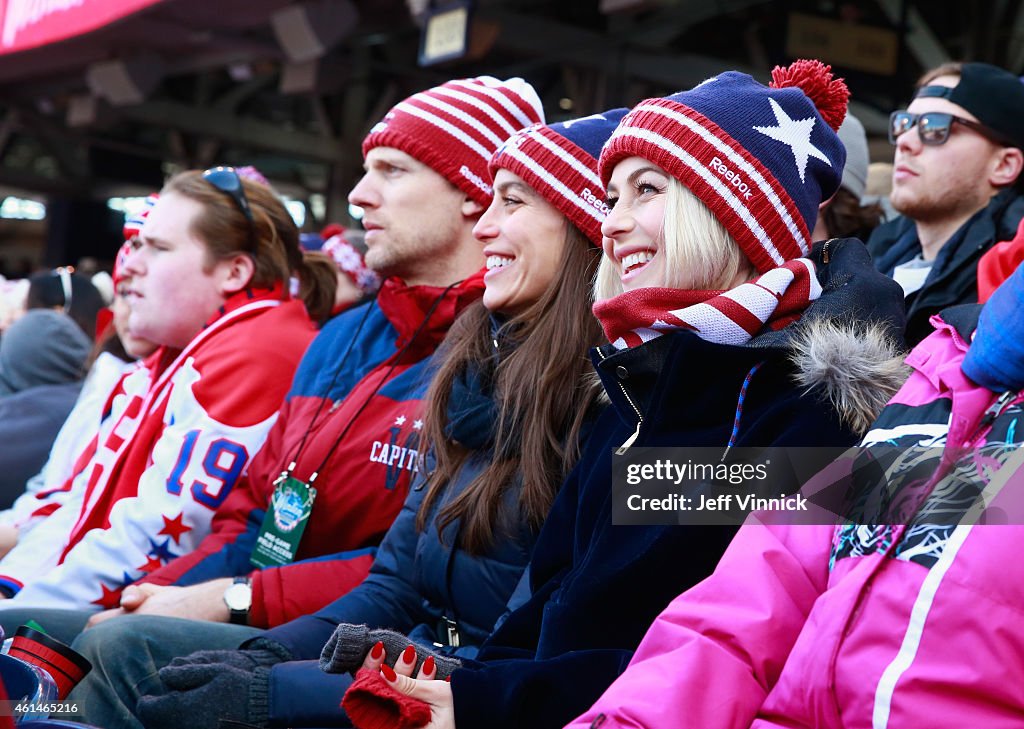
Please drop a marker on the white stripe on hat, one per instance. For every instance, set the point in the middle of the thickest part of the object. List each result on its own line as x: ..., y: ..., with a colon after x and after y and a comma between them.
x: 567, y: 157
x: 444, y: 126
x: 645, y: 135
x: 467, y: 119
x: 736, y: 159
x: 487, y: 109
x: 495, y: 93
x: 553, y: 182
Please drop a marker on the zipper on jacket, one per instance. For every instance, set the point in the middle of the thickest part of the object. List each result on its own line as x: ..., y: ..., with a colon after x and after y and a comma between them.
x: 993, y: 412
x: 639, y: 418
x: 629, y: 441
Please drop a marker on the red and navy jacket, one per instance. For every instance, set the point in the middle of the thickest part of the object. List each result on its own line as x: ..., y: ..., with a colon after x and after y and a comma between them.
x: 363, y: 378
x: 175, y: 437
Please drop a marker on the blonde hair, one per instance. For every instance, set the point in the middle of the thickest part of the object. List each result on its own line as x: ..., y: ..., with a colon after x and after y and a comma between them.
x: 699, y: 252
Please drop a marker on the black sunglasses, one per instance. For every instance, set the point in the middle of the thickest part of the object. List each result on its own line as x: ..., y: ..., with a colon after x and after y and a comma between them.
x: 226, y: 180
x: 934, y: 127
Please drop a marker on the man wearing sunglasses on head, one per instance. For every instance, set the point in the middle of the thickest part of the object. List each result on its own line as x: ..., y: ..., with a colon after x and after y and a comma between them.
x: 210, y: 274
x: 956, y: 181
x: 302, y: 526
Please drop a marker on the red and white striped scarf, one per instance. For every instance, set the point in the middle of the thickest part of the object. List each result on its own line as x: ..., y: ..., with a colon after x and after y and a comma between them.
x: 773, y: 299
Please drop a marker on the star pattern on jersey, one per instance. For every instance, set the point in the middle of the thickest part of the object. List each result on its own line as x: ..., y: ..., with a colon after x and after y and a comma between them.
x: 417, y: 425
x: 400, y: 420
x: 174, y: 528
x: 796, y: 134
x: 110, y: 598
x: 152, y: 565
x: 161, y: 550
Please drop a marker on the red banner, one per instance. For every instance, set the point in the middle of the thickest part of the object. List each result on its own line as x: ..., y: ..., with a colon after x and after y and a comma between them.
x: 32, y: 23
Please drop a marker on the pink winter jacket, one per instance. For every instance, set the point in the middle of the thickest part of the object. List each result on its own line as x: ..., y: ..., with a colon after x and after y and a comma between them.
x: 859, y: 627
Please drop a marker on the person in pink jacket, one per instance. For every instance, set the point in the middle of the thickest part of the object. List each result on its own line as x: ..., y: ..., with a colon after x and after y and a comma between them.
x: 870, y: 626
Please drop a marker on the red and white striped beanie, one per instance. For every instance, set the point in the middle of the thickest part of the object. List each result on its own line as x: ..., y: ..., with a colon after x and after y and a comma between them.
x: 454, y: 128
x: 761, y: 158
x: 133, y: 221
x: 132, y: 225
x: 350, y: 261
x: 559, y: 161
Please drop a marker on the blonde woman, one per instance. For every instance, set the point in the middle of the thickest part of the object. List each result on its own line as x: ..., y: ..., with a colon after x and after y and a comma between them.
x: 725, y: 329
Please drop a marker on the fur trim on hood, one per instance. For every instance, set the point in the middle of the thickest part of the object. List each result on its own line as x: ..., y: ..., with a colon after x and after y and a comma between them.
x: 857, y: 367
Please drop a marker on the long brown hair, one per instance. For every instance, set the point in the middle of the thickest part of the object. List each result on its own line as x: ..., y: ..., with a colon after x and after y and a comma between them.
x: 845, y: 217
x: 225, y: 231
x: 543, y: 395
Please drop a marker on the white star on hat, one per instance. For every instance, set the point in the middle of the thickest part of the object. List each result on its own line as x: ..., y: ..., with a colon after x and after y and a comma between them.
x: 796, y: 134
x: 568, y: 124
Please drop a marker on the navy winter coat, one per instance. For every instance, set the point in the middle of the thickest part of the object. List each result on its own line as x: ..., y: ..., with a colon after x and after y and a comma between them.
x: 415, y: 582
x: 597, y: 587
x: 954, y: 276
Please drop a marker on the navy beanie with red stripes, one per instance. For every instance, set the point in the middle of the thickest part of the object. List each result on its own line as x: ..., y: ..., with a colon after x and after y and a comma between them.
x: 761, y: 158
x: 559, y: 161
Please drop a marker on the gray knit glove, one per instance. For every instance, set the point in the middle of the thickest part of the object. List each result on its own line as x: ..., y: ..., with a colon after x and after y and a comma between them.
x: 345, y: 651
x: 211, y: 686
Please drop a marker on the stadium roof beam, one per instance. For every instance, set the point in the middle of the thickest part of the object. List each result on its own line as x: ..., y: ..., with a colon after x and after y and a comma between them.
x: 566, y: 44
x: 1015, y: 53
x: 919, y: 37
x: 217, y: 124
x: 664, y: 26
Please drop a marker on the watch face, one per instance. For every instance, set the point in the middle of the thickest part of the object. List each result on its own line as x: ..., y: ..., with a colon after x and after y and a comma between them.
x: 238, y: 596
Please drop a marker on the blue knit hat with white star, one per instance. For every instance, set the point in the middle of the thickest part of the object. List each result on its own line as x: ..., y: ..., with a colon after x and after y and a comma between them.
x: 761, y: 158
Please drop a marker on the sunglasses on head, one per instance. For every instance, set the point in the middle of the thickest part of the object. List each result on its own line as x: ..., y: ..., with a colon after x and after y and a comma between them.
x: 934, y: 127
x: 226, y: 180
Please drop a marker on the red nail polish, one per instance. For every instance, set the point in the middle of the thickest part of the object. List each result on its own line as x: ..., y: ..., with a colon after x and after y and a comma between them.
x: 428, y: 665
x: 377, y: 651
x: 389, y: 673
x: 409, y: 655
x: 448, y: 678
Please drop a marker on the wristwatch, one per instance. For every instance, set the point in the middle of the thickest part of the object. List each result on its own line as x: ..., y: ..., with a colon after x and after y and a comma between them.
x: 238, y: 598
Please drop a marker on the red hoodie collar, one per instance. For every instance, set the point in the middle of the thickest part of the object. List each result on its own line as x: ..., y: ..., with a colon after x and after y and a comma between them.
x: 164, y: 356
x: 407, y: 306
x: 277, y: 292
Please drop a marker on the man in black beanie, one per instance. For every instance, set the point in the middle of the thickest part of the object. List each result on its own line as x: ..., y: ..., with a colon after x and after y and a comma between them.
x: 956, y: 181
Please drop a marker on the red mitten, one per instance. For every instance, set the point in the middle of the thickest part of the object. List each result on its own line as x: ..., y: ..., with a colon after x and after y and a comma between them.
x: 372, y: 703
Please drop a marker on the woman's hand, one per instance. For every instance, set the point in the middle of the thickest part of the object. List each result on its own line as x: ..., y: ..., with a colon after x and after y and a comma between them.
x: 435, y: 694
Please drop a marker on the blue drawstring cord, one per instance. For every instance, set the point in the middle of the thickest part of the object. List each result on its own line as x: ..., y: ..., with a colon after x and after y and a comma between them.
x: 739, y: 408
